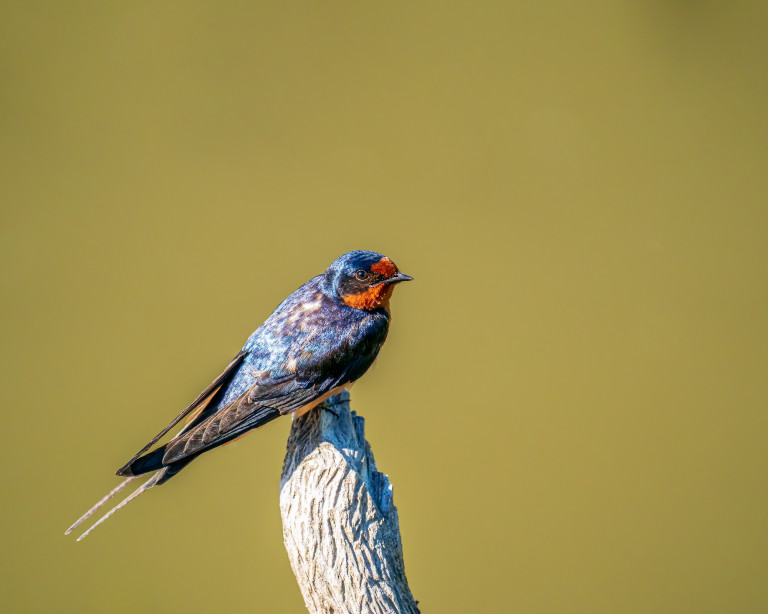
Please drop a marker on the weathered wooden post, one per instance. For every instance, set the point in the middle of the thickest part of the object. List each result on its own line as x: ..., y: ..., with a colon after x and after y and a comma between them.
x: 340, y: 525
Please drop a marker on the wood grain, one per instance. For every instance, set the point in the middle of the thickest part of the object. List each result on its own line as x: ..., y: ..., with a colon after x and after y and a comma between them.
x: 340, y: 526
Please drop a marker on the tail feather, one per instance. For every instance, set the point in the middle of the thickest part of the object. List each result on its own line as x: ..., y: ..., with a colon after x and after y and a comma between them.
x: 171, y: 470
x: 167, y: 460
x: 139, y: 491
x: 151, y: 461
x: 100, y: 504
x: 190, y: 443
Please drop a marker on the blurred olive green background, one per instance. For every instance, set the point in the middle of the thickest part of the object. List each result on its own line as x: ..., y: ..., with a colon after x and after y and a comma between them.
x: 572, y: 401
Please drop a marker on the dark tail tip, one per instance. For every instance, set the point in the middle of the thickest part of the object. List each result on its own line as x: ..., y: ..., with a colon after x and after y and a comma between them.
x: 144, y: 464
x: 124, y: 471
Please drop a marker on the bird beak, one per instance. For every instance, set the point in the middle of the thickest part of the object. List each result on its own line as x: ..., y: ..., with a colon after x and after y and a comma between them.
x: 397, y: 278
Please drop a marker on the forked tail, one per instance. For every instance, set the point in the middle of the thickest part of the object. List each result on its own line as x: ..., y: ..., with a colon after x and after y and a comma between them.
x: 140, y: 490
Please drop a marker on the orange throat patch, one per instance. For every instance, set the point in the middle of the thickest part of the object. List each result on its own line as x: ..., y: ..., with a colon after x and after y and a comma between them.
x: 378, y: 296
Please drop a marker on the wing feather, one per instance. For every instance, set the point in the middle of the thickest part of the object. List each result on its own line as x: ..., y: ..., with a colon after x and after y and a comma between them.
x: 231, y: 421
x: 288, y: 372
x: 199, y: 403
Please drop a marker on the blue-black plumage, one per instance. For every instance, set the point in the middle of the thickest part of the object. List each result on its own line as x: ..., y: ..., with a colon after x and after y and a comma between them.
x: 319, y: 340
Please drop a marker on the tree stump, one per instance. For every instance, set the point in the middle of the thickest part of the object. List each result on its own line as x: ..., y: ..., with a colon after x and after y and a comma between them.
x: 340, y: 526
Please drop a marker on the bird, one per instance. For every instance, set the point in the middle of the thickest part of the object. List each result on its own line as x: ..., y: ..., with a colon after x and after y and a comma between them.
x: 320, y: 340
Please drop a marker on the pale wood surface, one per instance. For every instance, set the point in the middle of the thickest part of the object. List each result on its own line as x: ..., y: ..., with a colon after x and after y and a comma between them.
x: 340, y: 525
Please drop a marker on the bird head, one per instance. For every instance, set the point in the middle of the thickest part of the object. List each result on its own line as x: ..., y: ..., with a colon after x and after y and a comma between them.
x: 362, y: 279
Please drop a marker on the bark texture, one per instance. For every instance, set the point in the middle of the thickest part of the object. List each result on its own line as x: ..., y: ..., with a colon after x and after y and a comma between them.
x: 340, y: 526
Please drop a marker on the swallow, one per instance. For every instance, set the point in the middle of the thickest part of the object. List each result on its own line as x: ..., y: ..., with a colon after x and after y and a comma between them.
x: 319, y: 341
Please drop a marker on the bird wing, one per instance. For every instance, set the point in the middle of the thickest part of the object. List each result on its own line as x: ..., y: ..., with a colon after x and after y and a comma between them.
x: 198, y: 403
x: 253, y: 408
x: 291, y: 369
x: 277, y: 393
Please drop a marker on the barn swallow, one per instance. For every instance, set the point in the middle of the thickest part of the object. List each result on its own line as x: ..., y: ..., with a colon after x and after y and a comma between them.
x: 318, y: 341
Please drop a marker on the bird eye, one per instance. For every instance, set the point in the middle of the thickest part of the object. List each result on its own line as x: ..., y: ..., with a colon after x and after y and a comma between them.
x: 361, y: 275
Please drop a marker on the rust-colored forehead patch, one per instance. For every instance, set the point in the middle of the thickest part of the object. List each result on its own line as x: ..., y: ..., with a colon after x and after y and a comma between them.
x: 384, y: 266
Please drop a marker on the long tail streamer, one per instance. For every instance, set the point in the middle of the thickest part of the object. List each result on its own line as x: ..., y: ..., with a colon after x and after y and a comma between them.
x: 100, y: 504
x: 140, y: 490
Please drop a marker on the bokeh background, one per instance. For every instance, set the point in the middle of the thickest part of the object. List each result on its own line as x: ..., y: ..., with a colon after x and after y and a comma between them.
x: 572, y: 401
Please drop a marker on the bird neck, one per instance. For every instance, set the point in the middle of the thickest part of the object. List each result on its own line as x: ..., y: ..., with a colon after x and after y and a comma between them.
x: 370, y: 299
